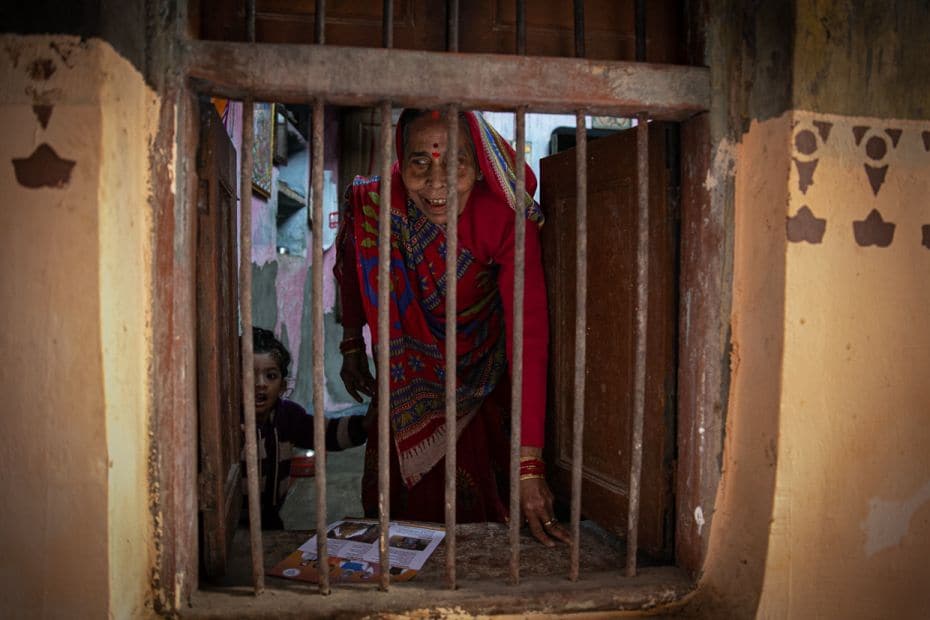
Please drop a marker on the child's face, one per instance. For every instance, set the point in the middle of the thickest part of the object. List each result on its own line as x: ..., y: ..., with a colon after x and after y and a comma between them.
x: 268, y: 384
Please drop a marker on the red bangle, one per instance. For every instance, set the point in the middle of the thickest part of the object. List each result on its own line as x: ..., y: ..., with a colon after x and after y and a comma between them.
x: 532, y: 467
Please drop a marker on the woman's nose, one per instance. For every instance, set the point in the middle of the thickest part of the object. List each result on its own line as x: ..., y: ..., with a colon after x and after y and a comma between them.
x: 437, y: 175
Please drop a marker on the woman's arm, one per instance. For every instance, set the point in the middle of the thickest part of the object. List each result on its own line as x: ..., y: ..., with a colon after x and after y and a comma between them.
x: 355, y: 373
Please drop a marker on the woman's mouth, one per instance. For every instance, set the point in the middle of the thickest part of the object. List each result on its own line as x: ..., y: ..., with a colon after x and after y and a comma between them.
x: 435, y: 203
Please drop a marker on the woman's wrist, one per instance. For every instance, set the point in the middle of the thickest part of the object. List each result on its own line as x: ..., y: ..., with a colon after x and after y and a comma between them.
x: 355, y: 344
x: 532, y: 466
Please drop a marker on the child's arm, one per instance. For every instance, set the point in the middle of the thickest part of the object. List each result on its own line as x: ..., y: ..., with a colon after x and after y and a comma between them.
x: 295, y: 426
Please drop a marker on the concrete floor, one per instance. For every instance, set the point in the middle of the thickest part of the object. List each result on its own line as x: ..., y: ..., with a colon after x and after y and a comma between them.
x: 343, y: 492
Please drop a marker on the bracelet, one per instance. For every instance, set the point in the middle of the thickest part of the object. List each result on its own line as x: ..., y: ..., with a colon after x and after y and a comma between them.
x: 351, y: 345
x: 350, y: 351
x: 532, y: 466
x: 530, y: 476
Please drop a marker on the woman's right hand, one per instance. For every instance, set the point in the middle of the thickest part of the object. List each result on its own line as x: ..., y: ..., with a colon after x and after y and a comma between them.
x: 356, y: 375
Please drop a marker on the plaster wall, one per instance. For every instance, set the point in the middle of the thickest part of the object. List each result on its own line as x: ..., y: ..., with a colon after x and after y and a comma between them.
x: 851, y: 530
x: 74, y: 292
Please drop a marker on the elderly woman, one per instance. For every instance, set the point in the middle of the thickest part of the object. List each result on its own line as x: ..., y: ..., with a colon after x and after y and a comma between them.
x: 486, y: 201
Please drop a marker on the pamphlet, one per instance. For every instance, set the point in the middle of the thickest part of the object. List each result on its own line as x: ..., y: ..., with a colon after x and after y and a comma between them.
x: 352, y: 546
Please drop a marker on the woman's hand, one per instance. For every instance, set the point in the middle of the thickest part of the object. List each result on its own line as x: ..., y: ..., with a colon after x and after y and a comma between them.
x: 356, y: 375
x: 536, y: 507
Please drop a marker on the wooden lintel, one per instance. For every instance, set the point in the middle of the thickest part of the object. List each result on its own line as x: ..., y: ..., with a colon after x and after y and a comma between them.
x: 359, y: 76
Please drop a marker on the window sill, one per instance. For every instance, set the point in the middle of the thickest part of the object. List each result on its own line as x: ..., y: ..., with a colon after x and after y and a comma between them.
x: 482, y: 555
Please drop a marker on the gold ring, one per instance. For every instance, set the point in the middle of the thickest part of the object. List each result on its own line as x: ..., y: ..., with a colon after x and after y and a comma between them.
x: 549, y: 522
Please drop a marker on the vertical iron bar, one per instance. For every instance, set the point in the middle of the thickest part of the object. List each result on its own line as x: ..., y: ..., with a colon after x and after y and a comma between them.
x: 640, y: 19
x: 248, y: 368
x: 581, y: 322
x: 452, y: 9
x: 384, y: 390
x: 319, y: 415
x: 387, y: 24
x: 581, y: 306
x: 642, y: 308
x: 579, y: 29
x: 452, y: 252
x: 521, y: 27
x: 516, y: 384
x: 319, y: 25
x: 250, y: 21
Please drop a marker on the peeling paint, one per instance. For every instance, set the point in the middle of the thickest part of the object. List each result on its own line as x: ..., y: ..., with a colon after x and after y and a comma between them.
x: 699, y: 519
x: 889, y: 521
x: 724, y: 164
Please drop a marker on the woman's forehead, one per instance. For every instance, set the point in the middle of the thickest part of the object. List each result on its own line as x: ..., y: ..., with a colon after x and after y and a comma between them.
x: 426, y: 132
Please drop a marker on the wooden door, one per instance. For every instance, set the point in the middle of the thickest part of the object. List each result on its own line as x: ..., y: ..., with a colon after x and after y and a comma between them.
x: 219, y: 399
x: 611, y: 336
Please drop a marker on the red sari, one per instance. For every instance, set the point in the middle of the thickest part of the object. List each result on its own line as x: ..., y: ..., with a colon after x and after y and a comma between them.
x: 417, y: 336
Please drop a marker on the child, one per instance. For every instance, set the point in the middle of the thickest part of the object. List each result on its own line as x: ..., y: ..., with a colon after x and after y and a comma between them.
x: 283, y: 425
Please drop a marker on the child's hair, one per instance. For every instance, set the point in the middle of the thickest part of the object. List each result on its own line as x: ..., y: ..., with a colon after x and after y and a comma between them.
x: 264, y: 341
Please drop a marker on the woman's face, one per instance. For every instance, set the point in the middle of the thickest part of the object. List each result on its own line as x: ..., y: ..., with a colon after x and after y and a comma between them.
x: 269, y: 384
x: 424, y: 167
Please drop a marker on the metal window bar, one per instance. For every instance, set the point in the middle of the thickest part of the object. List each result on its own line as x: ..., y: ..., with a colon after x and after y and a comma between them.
x: 248, y: 369
x: 581, y: 321
x: 581, y: 305
x: 383, y: 367
x: 383, y: 352
x: 452, y: 251
x: 319, y: 418
x: 519, y: 280
x: 452, y: 18
x: 516, y: 384
x: 642, y: 307
x: 319, y: 23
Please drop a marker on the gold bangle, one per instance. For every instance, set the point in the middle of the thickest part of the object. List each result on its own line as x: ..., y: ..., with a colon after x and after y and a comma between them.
x: 348, y: 351
x: 531, y: 476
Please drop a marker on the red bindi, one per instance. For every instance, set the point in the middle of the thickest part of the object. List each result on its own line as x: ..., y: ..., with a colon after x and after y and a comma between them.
x: 435, y: 115
x: 436, y: 154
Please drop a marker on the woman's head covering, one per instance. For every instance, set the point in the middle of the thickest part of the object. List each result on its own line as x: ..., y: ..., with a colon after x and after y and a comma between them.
x: 495, y: 157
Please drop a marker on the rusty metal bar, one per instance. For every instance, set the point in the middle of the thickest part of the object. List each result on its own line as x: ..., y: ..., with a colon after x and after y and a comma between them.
x: 581, y: 326
x: 248, y: 368
x: 319, y: 23
x: 452, y: 34
x: 297, y: 73
x: 387, y: 24
x: 579, y: 29
x: 516, y: 383
x: 452, y: 252
x: 642, y: 309
x: 383, y: 361
x: 319, y: 416
x: 250, y: 21
x: 521, y: 27
x: 640, y: 20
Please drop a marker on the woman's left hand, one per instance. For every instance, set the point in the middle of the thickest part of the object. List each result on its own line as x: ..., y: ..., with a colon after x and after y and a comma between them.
x: 536, y: 507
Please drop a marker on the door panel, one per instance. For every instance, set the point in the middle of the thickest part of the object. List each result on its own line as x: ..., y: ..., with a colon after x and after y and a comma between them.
x: 611, y: 336
x: 219, y: 398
